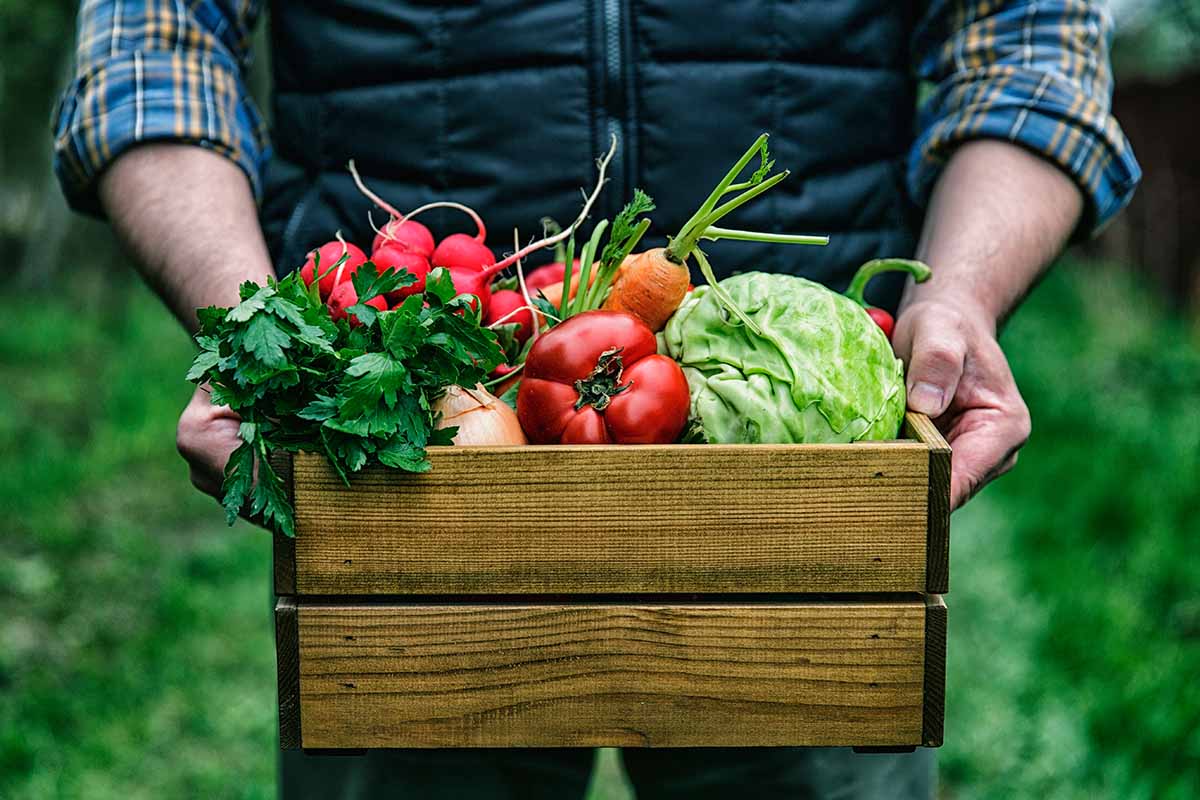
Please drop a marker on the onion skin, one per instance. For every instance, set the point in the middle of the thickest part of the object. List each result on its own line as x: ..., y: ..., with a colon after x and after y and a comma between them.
x: 482, y: 418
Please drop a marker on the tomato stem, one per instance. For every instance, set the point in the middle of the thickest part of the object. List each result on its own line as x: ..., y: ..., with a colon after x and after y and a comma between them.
x: 604, y: 383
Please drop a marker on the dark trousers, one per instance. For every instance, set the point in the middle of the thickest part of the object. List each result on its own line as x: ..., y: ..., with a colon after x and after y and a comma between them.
x: 699, y: 774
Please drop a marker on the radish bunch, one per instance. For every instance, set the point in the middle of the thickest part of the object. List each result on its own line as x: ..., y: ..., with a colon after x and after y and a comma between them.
x: 405, y: 244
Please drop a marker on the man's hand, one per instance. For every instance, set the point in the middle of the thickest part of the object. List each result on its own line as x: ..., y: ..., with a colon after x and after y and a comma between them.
x: 206, y: 436
x: 958, y: 376
x: 187, y: 216
x: 997, y: 218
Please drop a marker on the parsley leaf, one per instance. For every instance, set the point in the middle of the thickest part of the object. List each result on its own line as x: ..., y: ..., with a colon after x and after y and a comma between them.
x: 363, y: 395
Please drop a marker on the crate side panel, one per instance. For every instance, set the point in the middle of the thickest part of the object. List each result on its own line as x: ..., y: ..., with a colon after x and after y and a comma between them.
x: 705, y: 519
x: 935, y: 670
x: 653, y: 675
x: 922, y: 429
x: 287, y: 661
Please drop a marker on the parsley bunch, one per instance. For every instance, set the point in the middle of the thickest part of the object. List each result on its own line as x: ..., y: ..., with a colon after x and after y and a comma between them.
x: 358, y: 395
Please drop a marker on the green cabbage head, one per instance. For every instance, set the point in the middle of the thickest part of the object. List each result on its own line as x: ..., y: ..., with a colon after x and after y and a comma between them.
x: 822, y: 370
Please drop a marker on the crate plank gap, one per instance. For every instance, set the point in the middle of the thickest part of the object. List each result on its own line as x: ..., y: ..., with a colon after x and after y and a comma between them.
x: 676, y: 596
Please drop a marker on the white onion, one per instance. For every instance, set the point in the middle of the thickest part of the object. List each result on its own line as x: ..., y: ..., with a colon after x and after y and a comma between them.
x: 481, y: 417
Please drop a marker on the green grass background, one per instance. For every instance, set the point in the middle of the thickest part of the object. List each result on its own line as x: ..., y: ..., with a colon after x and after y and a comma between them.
x: 136, y: 650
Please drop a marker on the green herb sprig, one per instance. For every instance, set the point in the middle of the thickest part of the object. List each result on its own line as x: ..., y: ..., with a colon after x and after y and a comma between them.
x: 358, y: 395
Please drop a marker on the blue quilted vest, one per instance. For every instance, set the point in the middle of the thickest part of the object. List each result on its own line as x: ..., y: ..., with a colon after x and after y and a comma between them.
x: 504, y: 105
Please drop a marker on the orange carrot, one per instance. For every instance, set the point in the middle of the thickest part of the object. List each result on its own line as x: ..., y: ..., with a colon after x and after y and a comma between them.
x: 652, y: 284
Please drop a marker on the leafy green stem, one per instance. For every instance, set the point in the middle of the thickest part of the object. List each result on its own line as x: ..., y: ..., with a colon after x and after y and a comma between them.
x: 713, y: 233
x: 723, y: 296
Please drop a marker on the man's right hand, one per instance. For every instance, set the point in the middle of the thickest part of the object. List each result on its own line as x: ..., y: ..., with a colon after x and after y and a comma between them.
x: 187, y: 216
x: 206, y: 436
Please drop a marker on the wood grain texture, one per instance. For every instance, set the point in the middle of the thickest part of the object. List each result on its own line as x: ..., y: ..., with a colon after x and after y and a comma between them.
x: 935, y: 670
x: 937, y: 549
x: 589, y: 520
x: 595, y: 674
x: 287, y: 661
x: 284, y: 549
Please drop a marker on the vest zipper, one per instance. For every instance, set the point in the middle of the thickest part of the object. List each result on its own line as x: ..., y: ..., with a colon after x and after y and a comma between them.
x: 614, y: 85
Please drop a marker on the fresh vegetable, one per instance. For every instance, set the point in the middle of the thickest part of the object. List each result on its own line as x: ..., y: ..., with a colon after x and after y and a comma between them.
x: 509, y: 306
x: 394, y: 256
x: 810, y: 366
x: 471, y: 271
x: 542, y: 277
x: 344, y: 296
x: 470, y: 281
x: 407, y: 235
x: 332, y: 263
x: 651, y: 285
x: 301, y: 381
x: 460, y: 251
x: 478, y: 417
x: 920, y: 273
x: 597, y: 379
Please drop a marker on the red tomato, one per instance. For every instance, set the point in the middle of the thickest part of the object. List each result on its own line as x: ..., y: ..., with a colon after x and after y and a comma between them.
x: 597, y: 379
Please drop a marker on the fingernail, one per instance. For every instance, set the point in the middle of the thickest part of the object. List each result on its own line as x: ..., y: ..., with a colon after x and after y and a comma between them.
x: 926, y: 398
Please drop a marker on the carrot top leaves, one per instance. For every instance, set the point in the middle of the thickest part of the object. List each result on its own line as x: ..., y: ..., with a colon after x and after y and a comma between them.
x: 702, y: 223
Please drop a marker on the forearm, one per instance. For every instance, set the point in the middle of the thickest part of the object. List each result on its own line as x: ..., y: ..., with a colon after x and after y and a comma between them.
x: 997, y: 217
x: 188, y: 218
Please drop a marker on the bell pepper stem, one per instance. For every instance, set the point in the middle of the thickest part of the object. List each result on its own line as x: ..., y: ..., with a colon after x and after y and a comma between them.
x: 919, y: 271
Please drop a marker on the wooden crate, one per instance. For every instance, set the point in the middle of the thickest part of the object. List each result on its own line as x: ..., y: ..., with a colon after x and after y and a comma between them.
x: 671, y: 596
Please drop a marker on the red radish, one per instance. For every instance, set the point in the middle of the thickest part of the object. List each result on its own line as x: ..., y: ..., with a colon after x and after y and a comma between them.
x: 461, y: 250
x: 394, y: 256
x: 329, y: 254
x: 406, y: 234
x: 509, y: 306
x: 476, y: 282
x: 479, y: 270
x: 344, y: 296
x: 456, y: 250
x: 542, y: 277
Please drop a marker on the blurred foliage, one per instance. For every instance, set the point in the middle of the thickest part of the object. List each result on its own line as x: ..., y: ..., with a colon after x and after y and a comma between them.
x: 1074, y: 620
x: 38, y: 46
x: 136, y: 646
x: 1156, y: 38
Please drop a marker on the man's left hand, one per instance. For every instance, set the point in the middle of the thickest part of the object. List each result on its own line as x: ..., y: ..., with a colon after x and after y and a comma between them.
x: 959, y: 377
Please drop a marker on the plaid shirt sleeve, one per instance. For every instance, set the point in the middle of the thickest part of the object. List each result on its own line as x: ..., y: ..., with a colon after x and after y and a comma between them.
x: 1032, y: 72
x: 159, y: 70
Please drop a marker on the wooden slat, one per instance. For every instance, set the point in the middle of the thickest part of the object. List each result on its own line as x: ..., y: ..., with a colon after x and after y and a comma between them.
x: 593, y: 674
x: 287, y: 661
x: 937, y: 570
x: 552, y: 520
x: 284, y: 550
x: 935, y: 670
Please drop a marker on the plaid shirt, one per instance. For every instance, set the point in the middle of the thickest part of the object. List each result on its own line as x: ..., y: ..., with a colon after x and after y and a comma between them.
x: 1033, y: 72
